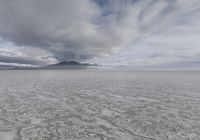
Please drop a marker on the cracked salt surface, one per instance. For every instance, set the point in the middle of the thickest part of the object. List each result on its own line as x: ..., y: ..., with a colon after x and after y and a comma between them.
x: 99, y: 105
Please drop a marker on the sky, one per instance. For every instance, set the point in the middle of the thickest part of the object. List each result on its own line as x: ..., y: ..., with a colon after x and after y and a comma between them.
x: 110, y: 32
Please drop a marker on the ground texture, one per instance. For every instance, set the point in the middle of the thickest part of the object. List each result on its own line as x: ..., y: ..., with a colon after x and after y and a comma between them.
x: 99, y: 105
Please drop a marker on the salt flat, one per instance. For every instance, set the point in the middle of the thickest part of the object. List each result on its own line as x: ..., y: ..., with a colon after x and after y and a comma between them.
x: 99, y: 105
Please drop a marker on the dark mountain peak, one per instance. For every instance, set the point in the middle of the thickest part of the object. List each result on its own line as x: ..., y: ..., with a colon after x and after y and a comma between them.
x: 73, y: 63
x: 69, y: 63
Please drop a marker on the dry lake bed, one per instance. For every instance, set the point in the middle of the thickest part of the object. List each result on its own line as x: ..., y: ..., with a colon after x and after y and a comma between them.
x: 99, y: 105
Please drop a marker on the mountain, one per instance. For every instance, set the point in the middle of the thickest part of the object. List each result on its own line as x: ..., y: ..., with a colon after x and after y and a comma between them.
x: 60, y: 65
x: 69, y: 65
x: 64, y: 63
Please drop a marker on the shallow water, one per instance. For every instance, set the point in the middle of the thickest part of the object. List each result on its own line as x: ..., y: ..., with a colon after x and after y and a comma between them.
x: 99, y: 105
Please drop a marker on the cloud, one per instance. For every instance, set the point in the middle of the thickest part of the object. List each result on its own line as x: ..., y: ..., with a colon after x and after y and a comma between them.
x: 9, y: 53
x: 47, y: 31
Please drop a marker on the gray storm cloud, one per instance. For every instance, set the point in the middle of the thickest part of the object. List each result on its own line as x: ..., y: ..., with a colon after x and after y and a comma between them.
x: 86, y: 29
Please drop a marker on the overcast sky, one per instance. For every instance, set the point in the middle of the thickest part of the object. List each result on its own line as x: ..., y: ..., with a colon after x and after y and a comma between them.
x: 114, y: 32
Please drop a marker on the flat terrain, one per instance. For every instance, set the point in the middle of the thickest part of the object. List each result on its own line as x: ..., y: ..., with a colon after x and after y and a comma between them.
x: 99, y: 105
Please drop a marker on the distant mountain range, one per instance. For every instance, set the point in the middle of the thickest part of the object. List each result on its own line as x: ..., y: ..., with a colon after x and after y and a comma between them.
x: 69, y: 65
x: 190, y: 65
x: 60, y: 65
x: 74, y: 63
